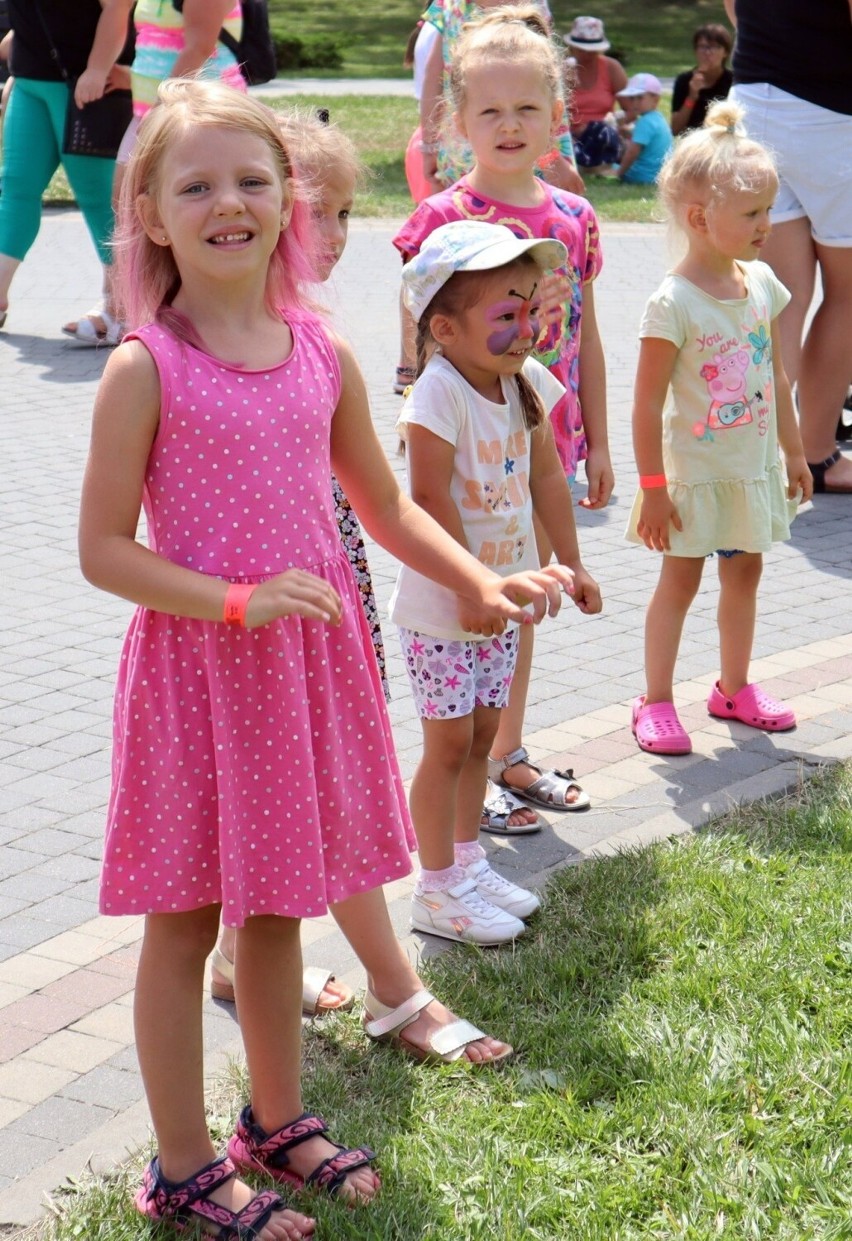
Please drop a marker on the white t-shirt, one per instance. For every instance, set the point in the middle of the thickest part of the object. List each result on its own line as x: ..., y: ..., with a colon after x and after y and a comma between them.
x: 489, y: 486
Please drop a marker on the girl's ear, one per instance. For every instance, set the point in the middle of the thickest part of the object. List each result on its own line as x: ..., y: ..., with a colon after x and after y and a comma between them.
x: 557, y: 112
x: 149, y: 214
x: 287, y: 200
x: 696, y: 217
x: 442, y: 329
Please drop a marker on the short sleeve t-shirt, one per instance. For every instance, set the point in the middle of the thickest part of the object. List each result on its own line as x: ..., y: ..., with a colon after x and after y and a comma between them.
x: 565, y: 217
x: 490, y: 484
x: 651, y: 132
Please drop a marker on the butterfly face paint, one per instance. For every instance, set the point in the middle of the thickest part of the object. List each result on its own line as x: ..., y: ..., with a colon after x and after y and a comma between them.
x: 516, y: 317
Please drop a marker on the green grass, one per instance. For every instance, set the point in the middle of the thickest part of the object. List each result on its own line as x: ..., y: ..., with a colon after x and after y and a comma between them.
x: 683, y: 1018
x: 380, y: 126
x: 652, y: 35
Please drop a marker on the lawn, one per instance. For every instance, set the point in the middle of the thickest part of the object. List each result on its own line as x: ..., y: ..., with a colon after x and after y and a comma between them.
x: 380, y: 126
x: 651, y: 35
x: 683, y: 1021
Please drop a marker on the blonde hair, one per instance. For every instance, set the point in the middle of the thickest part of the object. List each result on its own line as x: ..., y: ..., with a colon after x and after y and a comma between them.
x: 459, y: 293
x: 712, y: 161
x: 514, y: 33
x: 318, y: 147
x: 148, y: 277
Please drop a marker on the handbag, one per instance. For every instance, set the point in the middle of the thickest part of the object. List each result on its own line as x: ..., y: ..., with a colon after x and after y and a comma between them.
x: 98, y: 127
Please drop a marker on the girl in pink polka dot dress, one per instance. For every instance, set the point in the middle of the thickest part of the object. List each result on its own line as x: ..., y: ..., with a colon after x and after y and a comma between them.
x: 248, y: 692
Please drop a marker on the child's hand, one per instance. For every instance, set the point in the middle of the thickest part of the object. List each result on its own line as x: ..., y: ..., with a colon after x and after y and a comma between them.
x: 655, y: 516
x: 799, y: 478
x: 294, y: 593
x: 586, y: 593
x: 600, y: 480
x: 555, y: 290
x: 511, y: 598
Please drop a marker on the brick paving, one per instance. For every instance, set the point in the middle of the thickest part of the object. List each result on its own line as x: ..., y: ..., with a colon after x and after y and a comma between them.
x: 70, y: 1094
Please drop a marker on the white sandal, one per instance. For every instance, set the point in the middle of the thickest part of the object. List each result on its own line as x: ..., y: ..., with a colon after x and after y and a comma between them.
x: 549, y: 790
x: 314, y: 981
x: 88, y: 334
x: 446, y: 1046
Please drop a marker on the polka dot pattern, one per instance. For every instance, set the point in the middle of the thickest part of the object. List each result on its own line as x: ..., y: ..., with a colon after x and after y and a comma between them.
x: 250, y: 767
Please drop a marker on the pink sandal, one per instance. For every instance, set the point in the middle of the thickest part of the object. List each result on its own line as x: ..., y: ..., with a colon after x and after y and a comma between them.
x: 657, y: 728
x: 752, y: 706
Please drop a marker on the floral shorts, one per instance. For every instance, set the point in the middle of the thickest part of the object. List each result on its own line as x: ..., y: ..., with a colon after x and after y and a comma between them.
x: 450, y: 676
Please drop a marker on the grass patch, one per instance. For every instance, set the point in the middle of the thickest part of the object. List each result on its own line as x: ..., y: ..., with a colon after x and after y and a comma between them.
x: 683, y: 1017
x: 654, y: 36
x: 380, y: 127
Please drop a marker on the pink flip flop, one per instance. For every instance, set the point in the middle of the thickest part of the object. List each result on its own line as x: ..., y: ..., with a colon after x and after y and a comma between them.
x: 657, y: 728
x: 752, y: 706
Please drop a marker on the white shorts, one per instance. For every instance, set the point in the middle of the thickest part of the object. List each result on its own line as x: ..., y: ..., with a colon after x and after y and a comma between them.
x: 450, y: 677
x: 813, y: 150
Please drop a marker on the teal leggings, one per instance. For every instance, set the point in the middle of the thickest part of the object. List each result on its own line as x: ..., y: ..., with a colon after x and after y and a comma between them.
x: 32, y: 151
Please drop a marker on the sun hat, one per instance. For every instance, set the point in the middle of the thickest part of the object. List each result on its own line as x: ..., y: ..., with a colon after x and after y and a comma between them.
x: 469, y: 245
x: 642, y: 84
x: 588, y: 34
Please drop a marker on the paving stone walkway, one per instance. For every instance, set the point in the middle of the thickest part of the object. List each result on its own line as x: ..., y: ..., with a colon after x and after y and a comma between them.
x: 70, y: 1093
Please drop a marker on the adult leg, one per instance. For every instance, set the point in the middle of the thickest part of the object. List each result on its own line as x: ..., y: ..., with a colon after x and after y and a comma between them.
x: 30, y: 158
x: 739, y: 578
x: 680, y: 577
x: 91, y: 179
x: 791, y: 253
x: 391, y: 977
x: 168, y: 1028
x: 268, y: 978
x: 826, y: 365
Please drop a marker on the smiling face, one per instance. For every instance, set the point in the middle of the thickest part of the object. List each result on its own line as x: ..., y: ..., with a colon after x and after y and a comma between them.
x: 508, y: 115
x: 495, y: 335
x: 331, y: 216
x: 738, y: 223
x: 220, y: 203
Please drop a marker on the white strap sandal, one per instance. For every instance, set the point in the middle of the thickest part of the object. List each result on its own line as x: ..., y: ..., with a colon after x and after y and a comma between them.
x: 90, y: 335
x: 314, y: 981
x: 446, y: 1045
x: 549, y: 790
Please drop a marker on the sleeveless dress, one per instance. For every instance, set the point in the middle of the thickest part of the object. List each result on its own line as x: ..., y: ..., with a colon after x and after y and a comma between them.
x: 252, y: 768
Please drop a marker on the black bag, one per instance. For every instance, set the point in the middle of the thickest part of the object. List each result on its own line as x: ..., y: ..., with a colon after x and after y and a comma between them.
x: 98, y: 127
x: 254, y: 52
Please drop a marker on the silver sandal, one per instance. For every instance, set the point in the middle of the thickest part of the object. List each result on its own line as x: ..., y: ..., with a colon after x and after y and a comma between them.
x: 549, y: 790
x: 497, y: 809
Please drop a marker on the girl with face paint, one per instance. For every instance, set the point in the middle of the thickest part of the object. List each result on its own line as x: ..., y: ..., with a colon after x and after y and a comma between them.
x: 506, y: 88
x: 481, y: 455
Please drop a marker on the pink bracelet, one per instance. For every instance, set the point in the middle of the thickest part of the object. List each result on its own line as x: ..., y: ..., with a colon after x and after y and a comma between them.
x: 648, y: 481
x: 236, y: 602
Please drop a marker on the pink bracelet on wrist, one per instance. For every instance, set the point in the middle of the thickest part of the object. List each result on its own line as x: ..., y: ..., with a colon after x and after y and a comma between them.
x: 649, y: 481
x: 236, y: 602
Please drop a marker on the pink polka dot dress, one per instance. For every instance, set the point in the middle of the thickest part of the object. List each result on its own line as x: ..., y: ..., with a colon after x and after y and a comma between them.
x: 252, y: 768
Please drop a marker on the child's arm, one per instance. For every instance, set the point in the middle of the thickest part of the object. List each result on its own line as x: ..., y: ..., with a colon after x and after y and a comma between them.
x: 414, y: 537
x: 653, y: 375
x: 124, y: 425
x: 431, y: 461
x: 202, y: 21
x: 631, y: 153
x: 592, y: 393
x: 551, y: 497
x: 798, y: 474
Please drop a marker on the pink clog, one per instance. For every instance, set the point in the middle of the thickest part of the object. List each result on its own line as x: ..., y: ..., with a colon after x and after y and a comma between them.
x: 657, y: 728
x: 752, y: 706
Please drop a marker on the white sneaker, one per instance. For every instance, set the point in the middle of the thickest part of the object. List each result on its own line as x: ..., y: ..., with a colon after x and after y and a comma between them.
x: 461, y: 914
x: 502, y: 892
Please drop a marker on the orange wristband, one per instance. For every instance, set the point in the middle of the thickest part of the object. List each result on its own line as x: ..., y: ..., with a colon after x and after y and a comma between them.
x: 689, y: 102
x: 236, y: 602
x: 648, y: 481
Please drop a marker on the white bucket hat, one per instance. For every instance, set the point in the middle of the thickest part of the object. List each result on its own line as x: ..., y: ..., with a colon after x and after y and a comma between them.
x: 469, y: 245
x: 587, y: 33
